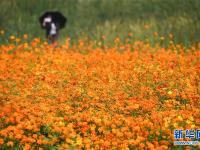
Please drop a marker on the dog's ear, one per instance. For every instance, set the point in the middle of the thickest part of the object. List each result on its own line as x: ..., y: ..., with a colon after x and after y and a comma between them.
x: 64, y: 21
x: 59, y: 19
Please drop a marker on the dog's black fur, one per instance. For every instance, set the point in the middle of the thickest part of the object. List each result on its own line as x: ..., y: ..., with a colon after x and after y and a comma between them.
x: 57, y: 19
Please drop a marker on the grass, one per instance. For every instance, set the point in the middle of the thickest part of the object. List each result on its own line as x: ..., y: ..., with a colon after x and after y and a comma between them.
x: 113, y: 18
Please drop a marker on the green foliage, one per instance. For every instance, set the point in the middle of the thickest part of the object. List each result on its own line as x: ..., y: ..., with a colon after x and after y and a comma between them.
x: 45, y: 129
x: 112, y: 18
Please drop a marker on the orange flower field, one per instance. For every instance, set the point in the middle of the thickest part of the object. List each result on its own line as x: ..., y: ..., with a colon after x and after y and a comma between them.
x: 128, y: 96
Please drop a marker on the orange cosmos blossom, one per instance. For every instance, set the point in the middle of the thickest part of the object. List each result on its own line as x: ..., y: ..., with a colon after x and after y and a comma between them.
x: 101, y: 98
x: 1, y: 141
x: 10, y: 143
x: 27, y: 147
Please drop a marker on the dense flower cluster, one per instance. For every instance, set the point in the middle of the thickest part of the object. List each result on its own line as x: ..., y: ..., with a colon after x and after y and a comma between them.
x: 130, y: 96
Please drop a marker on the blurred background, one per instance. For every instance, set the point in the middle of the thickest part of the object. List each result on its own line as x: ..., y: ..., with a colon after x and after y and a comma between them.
x: 150, y: 20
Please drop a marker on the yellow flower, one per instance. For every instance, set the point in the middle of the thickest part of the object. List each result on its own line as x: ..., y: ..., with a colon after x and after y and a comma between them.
x: 169, y: 92
x: 191, y: 118
x: 188, y: 122
x: 162, y: 38
x: 17, y: 40
x: 180, y: 118
x: 12, y: 37
x: 78, y: 141
x: 2, y: 32
x: 175, y: 125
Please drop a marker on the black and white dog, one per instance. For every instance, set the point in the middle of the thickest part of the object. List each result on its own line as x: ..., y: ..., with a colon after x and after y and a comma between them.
x: 52, y: 22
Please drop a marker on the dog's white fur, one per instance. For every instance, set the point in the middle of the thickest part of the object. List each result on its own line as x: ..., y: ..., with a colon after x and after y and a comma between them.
x: 53, y: 30
x: 46, y: 20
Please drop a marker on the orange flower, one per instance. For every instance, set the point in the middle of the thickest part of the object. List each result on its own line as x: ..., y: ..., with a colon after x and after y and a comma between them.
x: 114, y: 97
x: 27, y: 147
x: 25, y: 36
x: 10, y: 143
x: 18, y: 136
x: 1, y: 141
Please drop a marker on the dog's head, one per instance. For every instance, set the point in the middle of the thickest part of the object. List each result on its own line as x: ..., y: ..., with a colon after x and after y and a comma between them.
x: 52, y: 17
